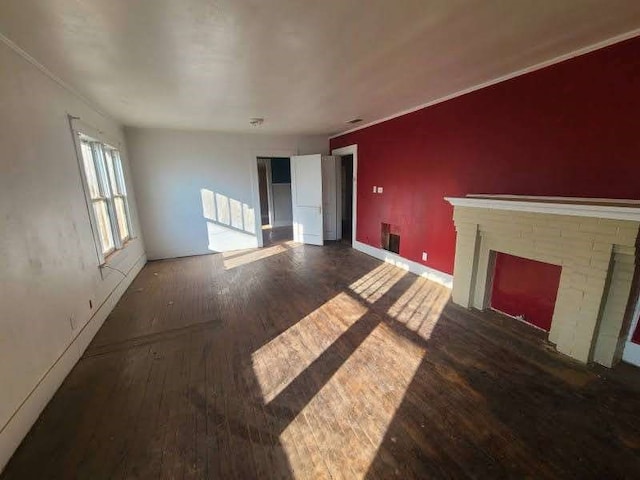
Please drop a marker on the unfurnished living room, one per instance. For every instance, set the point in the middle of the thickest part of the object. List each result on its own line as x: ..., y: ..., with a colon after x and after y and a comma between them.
x: 303, y: 239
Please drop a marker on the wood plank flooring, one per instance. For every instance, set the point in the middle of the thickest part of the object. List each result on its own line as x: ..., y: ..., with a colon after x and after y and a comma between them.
x: 321, y: 362
x: 275, y: 235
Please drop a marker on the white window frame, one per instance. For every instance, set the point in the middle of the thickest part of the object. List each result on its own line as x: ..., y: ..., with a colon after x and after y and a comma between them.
x: 99, y: 145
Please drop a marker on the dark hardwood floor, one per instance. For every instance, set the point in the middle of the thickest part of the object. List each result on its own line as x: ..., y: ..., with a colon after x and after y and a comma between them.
x: 321, y: 362
x: 275, y: 235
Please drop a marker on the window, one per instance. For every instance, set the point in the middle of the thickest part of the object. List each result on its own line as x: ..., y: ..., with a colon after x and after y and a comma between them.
x: 107, y: 194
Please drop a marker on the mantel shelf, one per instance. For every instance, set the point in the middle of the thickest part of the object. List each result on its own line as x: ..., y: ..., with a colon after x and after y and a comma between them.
x: 579, y: 207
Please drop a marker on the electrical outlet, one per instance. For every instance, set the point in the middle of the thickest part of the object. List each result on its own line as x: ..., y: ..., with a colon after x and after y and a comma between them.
x: 379, y: 189
x: 424, y: 256
x: 375, y: 189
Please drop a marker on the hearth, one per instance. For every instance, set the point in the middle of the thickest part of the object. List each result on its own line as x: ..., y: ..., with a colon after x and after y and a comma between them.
x: 591, y: 241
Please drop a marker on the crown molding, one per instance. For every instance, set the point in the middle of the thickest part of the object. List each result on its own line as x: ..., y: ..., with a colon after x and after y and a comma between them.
x: 26, y: 56
x: 504, y: 78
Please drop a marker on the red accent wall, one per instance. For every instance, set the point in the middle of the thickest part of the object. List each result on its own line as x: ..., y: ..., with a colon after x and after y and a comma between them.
x: 569, y: 129
x: 525, y: 287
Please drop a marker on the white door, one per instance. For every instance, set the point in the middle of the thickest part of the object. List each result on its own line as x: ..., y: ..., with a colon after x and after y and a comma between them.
x: 306, y: 198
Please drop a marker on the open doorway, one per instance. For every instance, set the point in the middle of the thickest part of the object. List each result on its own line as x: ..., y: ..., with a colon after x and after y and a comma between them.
x: 274, y: 187
x: 346, y: 200
x: 347, y: 194
x: 263, y: 188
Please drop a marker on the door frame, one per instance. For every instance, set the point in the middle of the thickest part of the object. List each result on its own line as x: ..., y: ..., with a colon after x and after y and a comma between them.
x: 341, y: 152
x: 255, y: 192
x: 267, y: 163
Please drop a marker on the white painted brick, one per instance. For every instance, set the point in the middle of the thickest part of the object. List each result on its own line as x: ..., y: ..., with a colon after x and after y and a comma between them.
x: 627, y: 228
x: 552, y: 248
x: 624, y: 237
x: 546, y: 231
x: 570, y: 294
x: 591, y: 301
x: 570, y: 234
x: 465, y: 226
x: 582, y: 246
x: 625, y: 253
x: 588, y: 270
x: 614, y: 238
x: 620, y: 286
x: 599, y: 263
x: 566, y: 219
x: 599, y: 246
x: 585, y: 244
x: 595, y: 227
x: 576, y: 278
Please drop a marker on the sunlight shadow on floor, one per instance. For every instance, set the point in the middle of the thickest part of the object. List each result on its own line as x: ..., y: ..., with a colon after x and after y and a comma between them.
x: 361, y: 406
x: 280, y: 361
x: 372, y: 286
x: 342, y: 372
x: 339, y: 375
x: 237, y: 259
x: 420, y: 307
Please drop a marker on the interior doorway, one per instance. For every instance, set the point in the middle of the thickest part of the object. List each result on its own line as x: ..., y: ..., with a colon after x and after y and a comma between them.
x: 346, y: 200
x: 274, y: 187
x: 263, y: 188
x: 347, y: 194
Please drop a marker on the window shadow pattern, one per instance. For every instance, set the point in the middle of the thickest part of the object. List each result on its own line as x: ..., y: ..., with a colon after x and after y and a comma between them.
x: 320, y: 363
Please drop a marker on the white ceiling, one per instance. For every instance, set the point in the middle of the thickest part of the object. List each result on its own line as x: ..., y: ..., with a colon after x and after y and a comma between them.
x: 307, y: 66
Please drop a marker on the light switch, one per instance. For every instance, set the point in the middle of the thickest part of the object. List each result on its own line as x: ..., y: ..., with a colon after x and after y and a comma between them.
x: 379, y: 189
x: 375, y: 189
x: 424, y: 256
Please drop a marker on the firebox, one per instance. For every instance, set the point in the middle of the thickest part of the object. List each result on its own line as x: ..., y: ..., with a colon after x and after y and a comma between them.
x: 525, y: 289
x: 514, y: 253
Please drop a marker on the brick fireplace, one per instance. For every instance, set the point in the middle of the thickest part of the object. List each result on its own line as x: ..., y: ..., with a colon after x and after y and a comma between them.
x: 592, y: 240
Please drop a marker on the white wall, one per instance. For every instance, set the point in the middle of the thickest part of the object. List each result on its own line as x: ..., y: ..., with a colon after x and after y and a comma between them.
x: 48, y: 264
x: 198, y: 191
x: 282, y: 208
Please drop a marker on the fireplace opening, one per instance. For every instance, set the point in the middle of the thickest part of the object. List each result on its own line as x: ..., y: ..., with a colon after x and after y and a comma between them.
x: 525, y: 289
x: 390, y: 237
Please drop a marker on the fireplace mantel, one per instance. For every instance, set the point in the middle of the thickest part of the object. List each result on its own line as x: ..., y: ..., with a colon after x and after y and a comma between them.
x: 579, y: 207
x: 593, y: 240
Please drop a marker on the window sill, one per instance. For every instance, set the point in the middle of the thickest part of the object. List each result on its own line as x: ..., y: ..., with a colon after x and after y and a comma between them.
x: 115, y: 259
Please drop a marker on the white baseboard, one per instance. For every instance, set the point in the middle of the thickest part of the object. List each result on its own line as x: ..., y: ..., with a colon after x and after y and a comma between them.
x: 414, y: 267
x: 29, y: 411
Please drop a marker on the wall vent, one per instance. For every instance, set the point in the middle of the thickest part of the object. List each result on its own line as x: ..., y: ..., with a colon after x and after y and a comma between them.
x: 390, y: 237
